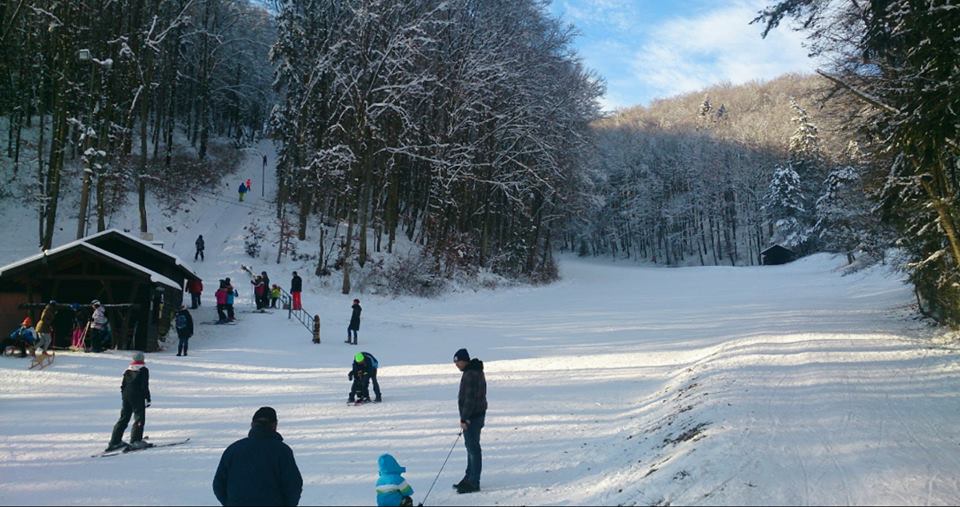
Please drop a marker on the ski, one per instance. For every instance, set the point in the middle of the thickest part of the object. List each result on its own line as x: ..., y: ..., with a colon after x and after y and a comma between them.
x: 218, y: 323
x: 127, y: 449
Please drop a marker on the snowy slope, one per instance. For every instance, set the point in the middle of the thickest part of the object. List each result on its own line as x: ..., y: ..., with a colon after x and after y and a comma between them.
x: 617, y: 385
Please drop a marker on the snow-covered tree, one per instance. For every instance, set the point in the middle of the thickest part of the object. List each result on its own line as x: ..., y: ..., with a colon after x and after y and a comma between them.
x: 784, y: 205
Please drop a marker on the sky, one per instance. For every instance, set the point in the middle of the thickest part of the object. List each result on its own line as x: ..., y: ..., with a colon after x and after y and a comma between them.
x: 648, y: 49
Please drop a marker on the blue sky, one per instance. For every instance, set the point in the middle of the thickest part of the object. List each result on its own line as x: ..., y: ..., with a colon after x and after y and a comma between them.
x: 647, y: 49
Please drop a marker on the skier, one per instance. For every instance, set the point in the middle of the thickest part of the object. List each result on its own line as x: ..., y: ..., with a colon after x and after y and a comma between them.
x: 472, y: 402
x: 184, y: 329
x: 296, y: 287
x: 259, y: 469
x: 199, y: 244
x: 98, y: 327
x: 45, y: 325
x: 242, y: 190
x: 249, y: 187
x: 354, y: 322
x: 392, y: 488
x: 135, y: 393
x: 195, y: 288
x: 365, y: 368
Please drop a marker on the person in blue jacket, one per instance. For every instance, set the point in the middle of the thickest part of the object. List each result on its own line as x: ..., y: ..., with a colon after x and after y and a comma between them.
x: 259, y: 469
x: 242, y: 190
x: 392, y: 488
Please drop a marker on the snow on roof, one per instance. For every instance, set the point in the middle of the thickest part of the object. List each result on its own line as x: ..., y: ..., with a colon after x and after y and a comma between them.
x: 131, y: 237
x: 80, y: 243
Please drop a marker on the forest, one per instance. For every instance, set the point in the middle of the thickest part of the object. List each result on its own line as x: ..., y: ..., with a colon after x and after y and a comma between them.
x: 473, y: 128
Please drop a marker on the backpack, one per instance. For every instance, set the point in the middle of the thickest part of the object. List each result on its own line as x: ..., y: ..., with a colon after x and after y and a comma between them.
x: 181, y: 321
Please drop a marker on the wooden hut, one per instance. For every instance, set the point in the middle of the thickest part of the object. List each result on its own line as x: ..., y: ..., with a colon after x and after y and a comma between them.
x: 776, y: 255
x: 140, y: 296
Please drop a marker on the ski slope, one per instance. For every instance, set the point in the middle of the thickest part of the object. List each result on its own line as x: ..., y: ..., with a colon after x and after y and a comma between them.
x: 617, y: 385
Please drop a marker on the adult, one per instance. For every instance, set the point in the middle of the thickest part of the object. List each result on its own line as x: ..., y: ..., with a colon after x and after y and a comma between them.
x: 354, y: 326
x: 199, y: 244
x: 242, y: 190
x: 195, y: 288
x: 365, y: 368
x: 258, y: 290
x: 259, y: 469
x: 265, y: 298
x: 45, y: 326
x: 135, y: 395
x: 184, y: 324
x: 98, y: 327
x: 472, y: 402
x: 296, y: 287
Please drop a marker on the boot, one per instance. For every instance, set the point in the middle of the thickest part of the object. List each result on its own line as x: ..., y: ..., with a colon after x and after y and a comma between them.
x: 468, y: 487
x: 116, y: 446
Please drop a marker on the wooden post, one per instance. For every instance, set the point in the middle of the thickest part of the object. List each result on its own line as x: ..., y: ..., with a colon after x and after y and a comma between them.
x: 316, y: 329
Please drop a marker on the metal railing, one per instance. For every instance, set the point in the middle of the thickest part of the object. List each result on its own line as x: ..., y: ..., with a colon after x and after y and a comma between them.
x: 310, y: 322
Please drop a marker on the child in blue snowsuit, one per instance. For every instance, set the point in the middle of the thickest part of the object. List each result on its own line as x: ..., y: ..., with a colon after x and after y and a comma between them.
x: 392, y: 488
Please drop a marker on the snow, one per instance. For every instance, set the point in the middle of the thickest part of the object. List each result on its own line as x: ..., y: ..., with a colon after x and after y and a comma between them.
x: 617, y: 385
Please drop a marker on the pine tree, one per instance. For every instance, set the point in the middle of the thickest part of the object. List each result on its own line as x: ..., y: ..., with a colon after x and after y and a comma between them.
x: 784, y: 205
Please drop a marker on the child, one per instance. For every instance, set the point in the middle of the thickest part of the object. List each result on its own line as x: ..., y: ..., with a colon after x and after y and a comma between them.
x: 359, y: 390
x: 274, y: 295
x: 392, y: 488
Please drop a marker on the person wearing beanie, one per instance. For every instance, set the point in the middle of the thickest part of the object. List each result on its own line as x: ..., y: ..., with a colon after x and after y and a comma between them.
x: 364, y: 371
x: 354, y: 322
x: 472, y: 402
x: 135, y: 396
x: 259, y: 469
x: 20, y: 338
x: 184, y: 325
x: 392, y: 488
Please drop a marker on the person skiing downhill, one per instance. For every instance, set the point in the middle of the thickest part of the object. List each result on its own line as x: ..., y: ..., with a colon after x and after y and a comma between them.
x: 354, y: 326
x: 135, y: 394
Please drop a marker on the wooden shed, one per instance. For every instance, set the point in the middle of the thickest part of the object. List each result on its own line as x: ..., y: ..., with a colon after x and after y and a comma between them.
x: 776, y: 255
x: 139, y: 300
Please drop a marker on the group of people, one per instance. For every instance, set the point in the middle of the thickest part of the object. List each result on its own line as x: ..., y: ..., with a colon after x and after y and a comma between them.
x: 244, y: 188
x: 265, y: 295
x: 91, y: 331
x: 225, y: 296
x: 261, y: 469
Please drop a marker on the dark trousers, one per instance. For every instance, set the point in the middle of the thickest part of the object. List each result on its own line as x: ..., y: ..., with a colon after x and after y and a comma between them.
x: 198, y: 254
x: 139, y: 412
x: 273, y: 302
x: 354, y: 331
x: 376, y: 385
x: 194, y: 300
x: 230, y: 315
x: 359, y: 390
x: 471, y: 440
x: 220, y: 314
x: 182, y: 346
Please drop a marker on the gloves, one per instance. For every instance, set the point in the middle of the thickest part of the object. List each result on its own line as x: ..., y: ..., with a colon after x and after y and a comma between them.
x: 147, y: 404
x: 350, y: 376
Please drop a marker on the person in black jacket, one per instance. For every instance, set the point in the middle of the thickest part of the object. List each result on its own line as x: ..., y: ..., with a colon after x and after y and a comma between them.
x: 296, y: 287
x: 135, y: 393
x: 265, y: 297
x: 259, y: 469
x: 184, y: 325
x: 354, y: 322
x: 472, y: 401
x: 200, y: 246
x: 363, y: 371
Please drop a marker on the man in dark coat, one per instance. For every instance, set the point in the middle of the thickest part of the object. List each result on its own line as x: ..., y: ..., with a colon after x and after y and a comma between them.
x: 184, y: 325
x: 265, y: 298
x: 472, y: 402
x: 296, y: 287
x: 259, y: 469
x: 135, y: 393
x: 354, y: 322
x: 199, y: 244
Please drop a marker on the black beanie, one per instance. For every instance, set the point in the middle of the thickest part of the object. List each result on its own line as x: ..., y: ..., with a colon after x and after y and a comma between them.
x: 266, y: 414
x: 461, y: 355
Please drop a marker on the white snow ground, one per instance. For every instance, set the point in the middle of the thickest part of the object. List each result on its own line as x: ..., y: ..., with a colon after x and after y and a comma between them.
x: 618, y: 385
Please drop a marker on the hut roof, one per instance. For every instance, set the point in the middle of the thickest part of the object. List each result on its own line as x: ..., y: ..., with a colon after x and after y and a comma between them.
x: 776, y: 248
x: 101, y: 238
x: 80, y: 243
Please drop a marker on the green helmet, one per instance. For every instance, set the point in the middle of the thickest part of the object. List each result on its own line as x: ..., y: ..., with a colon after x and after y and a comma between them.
x: 359, y: 357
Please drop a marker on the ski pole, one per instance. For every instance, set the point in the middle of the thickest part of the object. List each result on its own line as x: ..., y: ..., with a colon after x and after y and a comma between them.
x: 441, y: 469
